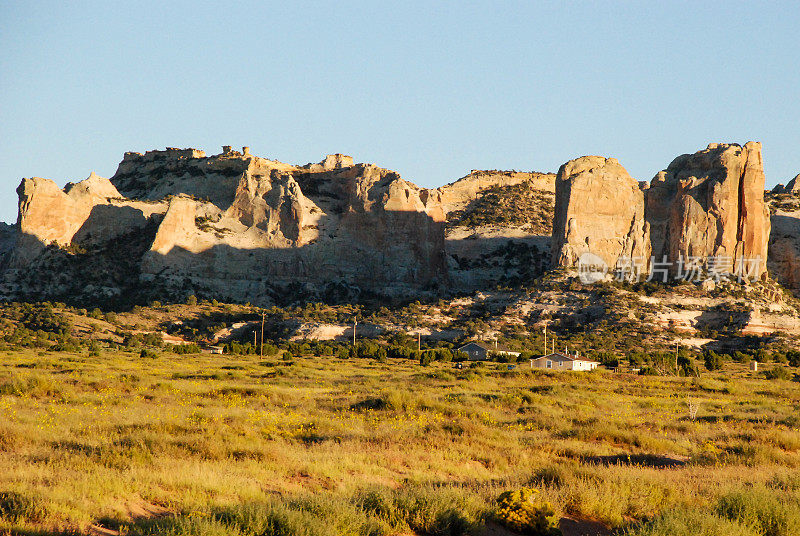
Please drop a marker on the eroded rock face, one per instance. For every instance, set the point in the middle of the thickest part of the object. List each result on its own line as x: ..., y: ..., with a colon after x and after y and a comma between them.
x: 459, y: 194
x: 707, y: 208
x: 54, y: 215
x: 784, y: 248
x: 710, y: 205
x: 245, y: 228
x: 599, y: 210
x: 793, y: 186
x: 361, y: 227
x: 85, y: 213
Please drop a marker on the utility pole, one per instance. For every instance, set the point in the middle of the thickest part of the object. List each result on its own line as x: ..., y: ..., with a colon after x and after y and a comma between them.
x: 419, y: 341
x: 263, y: 317
x: 255, y: 339
x: 676, y: 357
x: 545, y: 339
x: 355, y: 323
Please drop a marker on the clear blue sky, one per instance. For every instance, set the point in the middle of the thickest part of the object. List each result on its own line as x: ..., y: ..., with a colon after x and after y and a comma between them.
x: 429, y: 89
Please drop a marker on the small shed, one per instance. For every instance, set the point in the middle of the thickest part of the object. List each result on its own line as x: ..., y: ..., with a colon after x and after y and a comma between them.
x: 216, y: 349
x: 754, y: 366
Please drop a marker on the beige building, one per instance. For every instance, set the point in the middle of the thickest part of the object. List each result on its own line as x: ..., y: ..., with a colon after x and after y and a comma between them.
x: 558, y: 361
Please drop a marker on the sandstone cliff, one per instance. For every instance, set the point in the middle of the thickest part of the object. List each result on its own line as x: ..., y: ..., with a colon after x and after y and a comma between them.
x: 716, y: 208
x: 599, y: 210
x: 707, y: 208
x: 243, y: 228
x: 784, y: 248
x: 792, y: 187
x: 784, y: 238
x: 358, y: 227
x: 88, y: 212
x: 240, y: 227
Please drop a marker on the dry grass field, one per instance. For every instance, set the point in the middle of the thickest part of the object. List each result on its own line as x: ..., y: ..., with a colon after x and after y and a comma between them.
x: 221, y: 445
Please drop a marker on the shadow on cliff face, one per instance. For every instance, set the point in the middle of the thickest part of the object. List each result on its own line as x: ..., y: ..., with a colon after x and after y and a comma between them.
x: 106, y: 275
x: 107, y: 222
x: 373, y: 261
x: 361, y: 253
x: 8, y: 240
x: 395, y: 255
x: 483, y: 262
x: 721, y: 318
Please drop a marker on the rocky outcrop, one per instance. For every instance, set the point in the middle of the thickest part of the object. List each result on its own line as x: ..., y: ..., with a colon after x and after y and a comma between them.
x: 245, y: 228
x: 54, y: 215
x: 333, y: 161
x: 793, y: 186
x: 706, y: 208
x: 709, y: 206
x: 458, y: 195
x: 784, y: 248
x: 238, y: 227
x: 360, y: 227
x: 85, y: 213
x: 599, y: 210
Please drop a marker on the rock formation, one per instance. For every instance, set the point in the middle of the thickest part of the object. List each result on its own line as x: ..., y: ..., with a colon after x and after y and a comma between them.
x: 599, y: 210
x: 457, y: 195
x: 716, y: 211
x: 245, y: 228
x: 778, y: 189
x: 359, y: 226
x: 706, y: 208
x: 784, y: 248
x: 793, y: 186
x: 54, y: 215
x: 88, y: 212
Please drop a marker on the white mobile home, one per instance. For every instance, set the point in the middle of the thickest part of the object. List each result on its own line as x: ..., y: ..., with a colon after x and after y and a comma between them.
x: 558, y: 361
